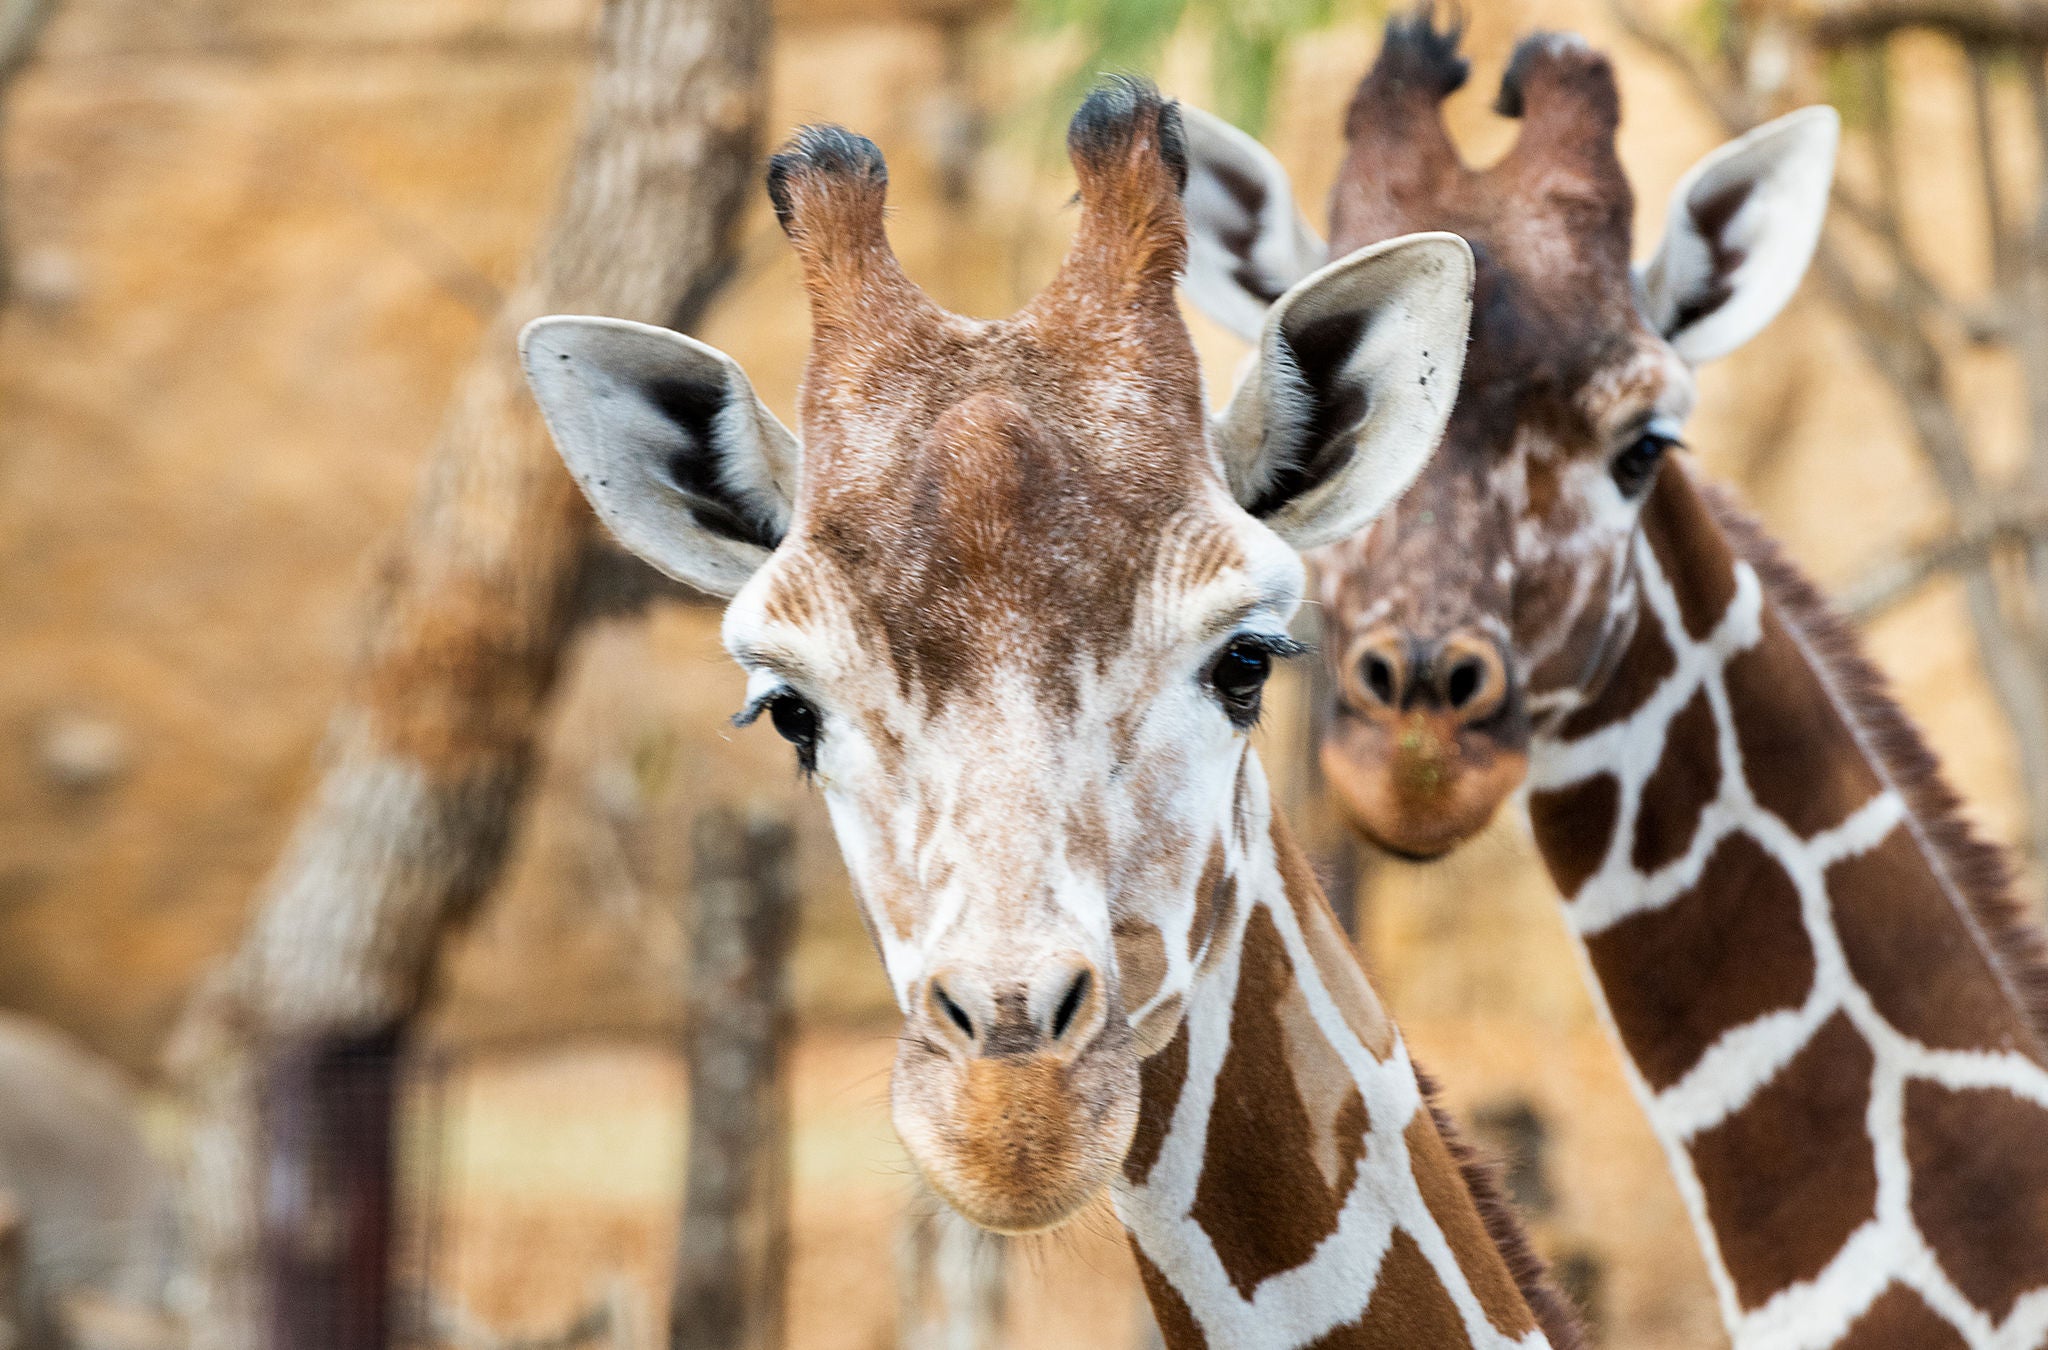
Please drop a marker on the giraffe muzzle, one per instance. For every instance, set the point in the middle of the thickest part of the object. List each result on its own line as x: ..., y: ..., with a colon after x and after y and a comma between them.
x: 1017, y: 1098
x: 1429, y: 738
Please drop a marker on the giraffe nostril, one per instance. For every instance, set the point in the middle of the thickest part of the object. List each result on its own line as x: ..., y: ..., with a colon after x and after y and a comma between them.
x: 1379, y: 677
x: 1463, y: 682
x: 956, y: 1014
x: 1070, y: 1004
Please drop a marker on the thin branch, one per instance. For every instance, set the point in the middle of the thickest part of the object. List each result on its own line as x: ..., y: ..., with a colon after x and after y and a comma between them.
x: 1971, y: 22
x: 1723, y: 98
x: 1985, y: 143
x: 1894, y: 580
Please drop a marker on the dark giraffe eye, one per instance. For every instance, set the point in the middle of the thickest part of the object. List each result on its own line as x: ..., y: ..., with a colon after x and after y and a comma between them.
x: 1239, y: 676
x: 1635, y: 466
x: 795, y: 720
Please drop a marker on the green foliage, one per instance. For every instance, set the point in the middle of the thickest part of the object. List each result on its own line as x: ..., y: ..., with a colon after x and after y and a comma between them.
x: 1248, y: 41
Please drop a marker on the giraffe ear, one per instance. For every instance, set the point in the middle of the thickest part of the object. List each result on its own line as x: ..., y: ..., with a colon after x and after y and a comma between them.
x: 1247, y: 240
x: 668, y: 440
x: 1356, y: 371
x: 1741, y: 229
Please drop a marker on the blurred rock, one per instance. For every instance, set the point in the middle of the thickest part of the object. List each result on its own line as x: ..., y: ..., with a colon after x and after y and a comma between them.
x: 81, y: 752
x: 47, y: 279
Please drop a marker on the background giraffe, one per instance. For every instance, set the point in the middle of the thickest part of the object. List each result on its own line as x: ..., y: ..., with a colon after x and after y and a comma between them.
x: 1813, y: 967
x: 1013, y: 605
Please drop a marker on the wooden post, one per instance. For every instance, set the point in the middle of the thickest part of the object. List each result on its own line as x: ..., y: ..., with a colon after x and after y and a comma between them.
x: 14, y: 1303
x: 732, y: 1262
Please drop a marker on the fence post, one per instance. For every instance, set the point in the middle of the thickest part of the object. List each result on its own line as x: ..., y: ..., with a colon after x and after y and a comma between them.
x: 731, y: 1264
x: 14, y: 1309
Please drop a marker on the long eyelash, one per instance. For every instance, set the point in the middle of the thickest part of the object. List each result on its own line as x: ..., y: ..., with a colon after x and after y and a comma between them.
x: 1280, y: 647
x: 750, y: 714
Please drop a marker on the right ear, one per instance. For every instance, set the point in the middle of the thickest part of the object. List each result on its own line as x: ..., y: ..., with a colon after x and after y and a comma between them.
x: 670, y: 443
x: 1247, y: 240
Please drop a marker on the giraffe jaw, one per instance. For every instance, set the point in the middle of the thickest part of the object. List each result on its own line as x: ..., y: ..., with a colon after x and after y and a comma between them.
x: 1018, y: 1143
x: 1415, y: 788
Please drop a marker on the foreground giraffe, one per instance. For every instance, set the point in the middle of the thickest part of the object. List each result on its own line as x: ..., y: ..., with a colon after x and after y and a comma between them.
x: 1013, y: 604
x: 1816, y: 972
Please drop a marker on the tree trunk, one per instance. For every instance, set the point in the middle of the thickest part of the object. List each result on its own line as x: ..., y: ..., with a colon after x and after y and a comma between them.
x: 732, y: 1261
x: 290, y: 1053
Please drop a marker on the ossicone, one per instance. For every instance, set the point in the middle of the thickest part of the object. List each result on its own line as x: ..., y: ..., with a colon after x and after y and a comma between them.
x: 1130, y: 154
x: 830, y: 188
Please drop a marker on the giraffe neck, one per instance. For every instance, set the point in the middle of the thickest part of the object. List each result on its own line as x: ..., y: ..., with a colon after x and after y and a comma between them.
x: 1290, y: 1184
x: 1809, y: 963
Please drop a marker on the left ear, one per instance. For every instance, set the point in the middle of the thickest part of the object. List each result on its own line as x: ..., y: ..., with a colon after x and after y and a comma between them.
x: 1356, y: 371
x: 1741, y: 230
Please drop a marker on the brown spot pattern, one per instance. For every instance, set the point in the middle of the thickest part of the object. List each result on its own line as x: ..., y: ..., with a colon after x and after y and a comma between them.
x: 1900, y: 1319
x: 1574, y: 827
x: 1330, y: 949
x: 1910, y: 952
x: 1793, y: 740
x: 1160, y: 1079
x: 1979, y: 1159
x: 1177, y: 1325
x: 1442, y: 1184
x: 1140, y: 961
x: 1686, y: 778
x: 1410, y: 1307
x: 1792, y: 1174
x: 1692, y: 553
x: 1215, y: 898
x: 1262, y: 1200
x: 1725, y: 952
x: 1645, y: 664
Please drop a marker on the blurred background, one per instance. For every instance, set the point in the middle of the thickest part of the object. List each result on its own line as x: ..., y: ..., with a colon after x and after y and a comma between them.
x: 250, y: 246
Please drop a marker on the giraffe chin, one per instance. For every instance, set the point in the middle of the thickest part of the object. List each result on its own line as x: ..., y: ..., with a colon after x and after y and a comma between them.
x: 1017, y: 1143
x: 1416, y: 788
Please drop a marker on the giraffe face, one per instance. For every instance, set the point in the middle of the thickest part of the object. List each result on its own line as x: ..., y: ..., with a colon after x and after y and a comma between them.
x: 1012, y: 603
x: 1027, y: 713
x: 1497, y: 595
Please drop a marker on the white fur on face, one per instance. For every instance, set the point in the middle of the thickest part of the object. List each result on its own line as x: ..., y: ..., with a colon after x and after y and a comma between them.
x: 1000, y: 828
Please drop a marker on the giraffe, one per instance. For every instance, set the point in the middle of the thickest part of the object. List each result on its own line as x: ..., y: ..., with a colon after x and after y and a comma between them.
x: 1012, y: 600
x: 1832, y: 1013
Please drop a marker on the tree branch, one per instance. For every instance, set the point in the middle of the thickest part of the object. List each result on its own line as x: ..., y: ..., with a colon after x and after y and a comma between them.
x: 1972, y: 22
x: 1894, y: 580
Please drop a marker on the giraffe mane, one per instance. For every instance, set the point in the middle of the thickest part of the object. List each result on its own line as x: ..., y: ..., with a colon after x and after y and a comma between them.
x: 1977, y: 868
x: 1561, y: 1322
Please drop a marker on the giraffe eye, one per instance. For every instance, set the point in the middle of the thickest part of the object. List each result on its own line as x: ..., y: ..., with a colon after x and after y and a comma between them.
x: 1239, y: 677
x: 1635, y: 466
x: 796, y: 722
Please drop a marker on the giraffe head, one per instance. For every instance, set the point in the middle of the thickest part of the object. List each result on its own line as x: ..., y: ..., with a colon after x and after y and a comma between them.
x: 1011, y: 597
x: 1497, y: 595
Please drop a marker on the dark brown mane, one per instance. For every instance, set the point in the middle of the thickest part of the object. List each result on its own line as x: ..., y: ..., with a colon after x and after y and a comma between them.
x: 1561, y: 1322
x: 1977, y: 869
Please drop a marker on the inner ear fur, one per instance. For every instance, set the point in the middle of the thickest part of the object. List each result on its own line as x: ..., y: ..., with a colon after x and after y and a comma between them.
x: 1740, y: 230
x: 1355, y: 375
x: 666, y: 437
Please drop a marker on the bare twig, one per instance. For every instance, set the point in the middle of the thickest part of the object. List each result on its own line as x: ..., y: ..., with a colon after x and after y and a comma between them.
x: 1896, y: 579
x: 1971, y: 22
